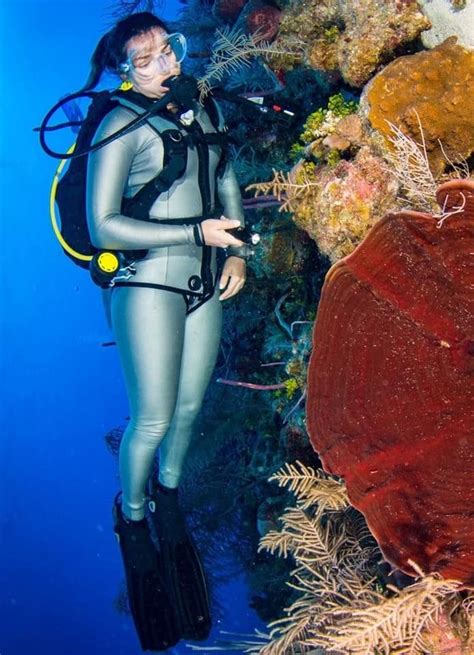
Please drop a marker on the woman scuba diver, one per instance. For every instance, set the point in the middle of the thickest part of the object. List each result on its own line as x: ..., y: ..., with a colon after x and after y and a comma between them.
x: 167, y: 319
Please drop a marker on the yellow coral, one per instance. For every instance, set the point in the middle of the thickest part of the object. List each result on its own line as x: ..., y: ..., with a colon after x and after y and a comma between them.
x: 291, y: 386
x: 435, y: 88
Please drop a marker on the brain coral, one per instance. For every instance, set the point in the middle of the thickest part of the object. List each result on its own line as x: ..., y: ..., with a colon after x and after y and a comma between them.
x: 352, y: 36
x: 438, y: 87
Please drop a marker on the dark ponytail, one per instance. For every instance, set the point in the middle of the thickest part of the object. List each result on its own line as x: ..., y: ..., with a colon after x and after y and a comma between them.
x: 110, y: 51
x: 98, y: 62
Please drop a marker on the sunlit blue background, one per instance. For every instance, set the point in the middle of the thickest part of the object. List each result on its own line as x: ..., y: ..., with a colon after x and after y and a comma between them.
x: 59, y: 564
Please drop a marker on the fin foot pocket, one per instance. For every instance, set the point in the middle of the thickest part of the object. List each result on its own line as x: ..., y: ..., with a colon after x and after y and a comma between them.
x: 182, y: 567
x: 150, y: 603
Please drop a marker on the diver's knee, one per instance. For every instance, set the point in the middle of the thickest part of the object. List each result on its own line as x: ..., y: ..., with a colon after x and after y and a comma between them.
x: 188, y: 411
x: 149, y: 432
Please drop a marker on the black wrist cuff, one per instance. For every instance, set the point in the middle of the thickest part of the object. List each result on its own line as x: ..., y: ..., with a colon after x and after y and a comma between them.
x: 198, y: 235
x: 233, y: 254
x: 244, y: 252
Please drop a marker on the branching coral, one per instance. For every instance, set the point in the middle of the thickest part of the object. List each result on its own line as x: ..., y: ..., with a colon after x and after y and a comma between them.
x: 398, y: 624
x: 336, y: 205
x: 343, y: 605
x: 312, y: 488
x: 232, y: 50
x: 284, y: 187
x: 409, y: 163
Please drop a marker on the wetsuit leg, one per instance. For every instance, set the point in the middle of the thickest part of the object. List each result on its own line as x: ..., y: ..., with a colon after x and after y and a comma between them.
x: 200, y: 349
x: 149, y: 327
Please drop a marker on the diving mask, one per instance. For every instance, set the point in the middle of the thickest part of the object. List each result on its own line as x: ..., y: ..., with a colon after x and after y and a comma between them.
x: 173, y: 50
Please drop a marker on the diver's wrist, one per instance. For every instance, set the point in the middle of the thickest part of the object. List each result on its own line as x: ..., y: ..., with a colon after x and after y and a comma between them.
x: 198, y: 235
x: 244, y: 252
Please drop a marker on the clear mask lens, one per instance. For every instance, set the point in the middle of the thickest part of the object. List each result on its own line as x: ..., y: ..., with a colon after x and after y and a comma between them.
x: 177, y: 42
x: 173, y: 51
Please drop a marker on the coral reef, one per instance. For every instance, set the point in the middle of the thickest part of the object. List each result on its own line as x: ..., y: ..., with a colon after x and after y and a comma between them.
x: 346, y: 201
x: 448, y: 18
x: 283, y: 251
x: 337, y: 205
x: 267, y: 329
x: 434, y: 88
x: 326, y: 130
x: 390, y: 386
x: 345, y: 602
x: 354, y: 37
x: 357, y: 166
x: 233, y: 50
x: 409, y: 164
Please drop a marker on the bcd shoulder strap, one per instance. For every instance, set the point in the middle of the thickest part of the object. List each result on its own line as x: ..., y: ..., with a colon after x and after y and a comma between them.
x: 175, y: 144
x: 210, y: 105
x: 174, y: 160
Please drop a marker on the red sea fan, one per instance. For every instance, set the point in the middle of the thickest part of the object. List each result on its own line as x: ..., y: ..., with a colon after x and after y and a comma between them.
x: 391, y: 383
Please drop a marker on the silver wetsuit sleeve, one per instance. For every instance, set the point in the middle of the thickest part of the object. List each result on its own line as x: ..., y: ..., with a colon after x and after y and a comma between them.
x: 230, y: 197
x: 108, y: 171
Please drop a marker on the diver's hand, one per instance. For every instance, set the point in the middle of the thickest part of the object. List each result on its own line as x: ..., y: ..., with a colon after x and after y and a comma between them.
x: 233, y: 277
x: 214, y: 232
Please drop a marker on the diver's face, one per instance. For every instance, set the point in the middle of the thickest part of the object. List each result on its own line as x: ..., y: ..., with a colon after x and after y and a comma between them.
x: 151, y: 60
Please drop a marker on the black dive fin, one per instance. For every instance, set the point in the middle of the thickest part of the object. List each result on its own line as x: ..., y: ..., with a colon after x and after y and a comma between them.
x: 182, y: 567
x: 150, y: 604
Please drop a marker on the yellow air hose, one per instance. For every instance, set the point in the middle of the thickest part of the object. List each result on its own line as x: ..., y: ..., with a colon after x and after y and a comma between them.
x: 52, y: 212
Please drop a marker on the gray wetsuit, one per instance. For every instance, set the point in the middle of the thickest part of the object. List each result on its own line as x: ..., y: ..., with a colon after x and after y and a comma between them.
x: 167, y: 354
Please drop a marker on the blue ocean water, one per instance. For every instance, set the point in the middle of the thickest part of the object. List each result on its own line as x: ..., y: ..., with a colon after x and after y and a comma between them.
x: 60, y: 391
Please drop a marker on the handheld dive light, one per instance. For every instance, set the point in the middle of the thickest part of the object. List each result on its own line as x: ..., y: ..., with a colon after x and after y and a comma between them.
x: 244, y: 234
